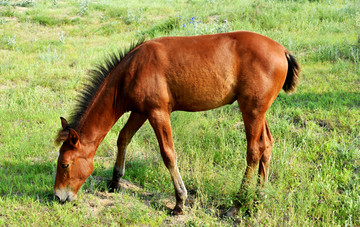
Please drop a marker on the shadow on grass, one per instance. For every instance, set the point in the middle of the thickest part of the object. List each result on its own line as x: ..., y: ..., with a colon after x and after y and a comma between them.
x: 137, y: 173
x: 325, y: 101
x: 27, y: 180
x: 35, y: 181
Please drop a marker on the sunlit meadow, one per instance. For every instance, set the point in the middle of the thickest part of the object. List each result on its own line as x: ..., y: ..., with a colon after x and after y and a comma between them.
x: 47, y: 48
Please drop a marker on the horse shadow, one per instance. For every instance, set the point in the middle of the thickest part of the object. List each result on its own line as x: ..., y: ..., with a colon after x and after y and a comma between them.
x: 324, y: 101
x: 35, y: 180
x: 32, y: 179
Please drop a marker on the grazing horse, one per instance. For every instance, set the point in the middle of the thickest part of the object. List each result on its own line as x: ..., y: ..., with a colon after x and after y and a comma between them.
x: 156, y: 77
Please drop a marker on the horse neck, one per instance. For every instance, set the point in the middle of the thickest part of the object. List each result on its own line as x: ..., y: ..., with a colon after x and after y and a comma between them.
x: 100, y: 116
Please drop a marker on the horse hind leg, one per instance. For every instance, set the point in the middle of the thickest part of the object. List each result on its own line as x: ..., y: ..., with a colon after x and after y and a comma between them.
x: 133, y: 124
x: 259, y: 144
x: 160, y: 121
x: 264, y: 164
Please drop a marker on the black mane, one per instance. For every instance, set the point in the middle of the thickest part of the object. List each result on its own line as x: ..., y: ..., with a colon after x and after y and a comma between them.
x: 97, y: 77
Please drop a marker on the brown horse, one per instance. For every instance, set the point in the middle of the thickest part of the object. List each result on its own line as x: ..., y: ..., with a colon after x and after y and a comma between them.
x: 156, y: 77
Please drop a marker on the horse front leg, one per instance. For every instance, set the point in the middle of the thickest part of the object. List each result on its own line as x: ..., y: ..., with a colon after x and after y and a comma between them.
x: 133, y: 124
x: 160, y: 121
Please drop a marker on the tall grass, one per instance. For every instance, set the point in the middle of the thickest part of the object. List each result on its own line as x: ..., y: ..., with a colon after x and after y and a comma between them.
x: 46, y: 48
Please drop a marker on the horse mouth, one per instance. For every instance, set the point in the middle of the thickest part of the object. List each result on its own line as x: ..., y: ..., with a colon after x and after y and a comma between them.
x: 61, y: 201
x: 63, y: 196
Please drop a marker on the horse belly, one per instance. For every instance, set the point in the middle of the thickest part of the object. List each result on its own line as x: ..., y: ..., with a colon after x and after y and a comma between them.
x: 203, y: 93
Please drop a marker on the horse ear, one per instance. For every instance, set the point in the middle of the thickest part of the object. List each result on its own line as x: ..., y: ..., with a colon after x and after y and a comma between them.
x: 73, y: 138
x: 64, y: 123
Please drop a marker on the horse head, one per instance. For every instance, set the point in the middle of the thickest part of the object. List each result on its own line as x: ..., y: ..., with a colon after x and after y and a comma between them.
x: 74, y: 166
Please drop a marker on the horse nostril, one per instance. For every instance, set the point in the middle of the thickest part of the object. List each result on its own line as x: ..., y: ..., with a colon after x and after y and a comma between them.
x: 57, y: 198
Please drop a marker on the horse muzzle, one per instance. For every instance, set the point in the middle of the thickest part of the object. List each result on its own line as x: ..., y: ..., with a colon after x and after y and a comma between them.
x: 64, y: 195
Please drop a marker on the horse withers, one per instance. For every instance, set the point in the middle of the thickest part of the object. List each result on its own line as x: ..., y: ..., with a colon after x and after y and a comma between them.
x: 156, y: 77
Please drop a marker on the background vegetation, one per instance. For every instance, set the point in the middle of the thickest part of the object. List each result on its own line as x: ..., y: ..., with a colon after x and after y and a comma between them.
x: 46, y: 48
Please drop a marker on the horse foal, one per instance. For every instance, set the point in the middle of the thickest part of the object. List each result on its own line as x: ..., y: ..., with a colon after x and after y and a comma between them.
x: 156, y: 77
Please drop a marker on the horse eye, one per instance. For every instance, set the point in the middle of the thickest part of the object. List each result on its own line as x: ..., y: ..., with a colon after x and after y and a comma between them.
x: 64, y: 166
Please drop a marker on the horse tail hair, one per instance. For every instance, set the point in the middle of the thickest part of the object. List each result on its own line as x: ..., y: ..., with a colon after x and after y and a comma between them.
x: 292, y: 77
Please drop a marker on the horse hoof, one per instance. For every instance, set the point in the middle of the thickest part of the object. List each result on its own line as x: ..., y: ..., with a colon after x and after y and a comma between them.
x: 113, y: 186
x: 176, y: 211
x: 232, y: 212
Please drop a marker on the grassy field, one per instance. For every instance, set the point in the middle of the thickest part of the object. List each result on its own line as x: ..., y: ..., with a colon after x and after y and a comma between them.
x: 47, y: 48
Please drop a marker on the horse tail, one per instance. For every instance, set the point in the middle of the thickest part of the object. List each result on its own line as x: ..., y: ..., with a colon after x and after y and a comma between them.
x: 292, y: 77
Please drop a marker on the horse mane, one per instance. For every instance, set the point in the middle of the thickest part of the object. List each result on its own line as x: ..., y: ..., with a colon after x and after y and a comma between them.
x: 96, y: 78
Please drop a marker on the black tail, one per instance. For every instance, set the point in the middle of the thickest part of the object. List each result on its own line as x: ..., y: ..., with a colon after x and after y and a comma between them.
x: 292, y: 77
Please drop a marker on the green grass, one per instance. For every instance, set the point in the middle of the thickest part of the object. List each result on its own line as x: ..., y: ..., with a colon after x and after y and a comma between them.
x: 47, y: 47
